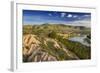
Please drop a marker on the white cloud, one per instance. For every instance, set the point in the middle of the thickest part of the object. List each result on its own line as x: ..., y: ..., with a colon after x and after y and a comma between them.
x: 63, y: 14
x: 69, y: 15
x: 75, y: 16
x: 86, y: 23
x: 87, y: 15
x: 50, y: 14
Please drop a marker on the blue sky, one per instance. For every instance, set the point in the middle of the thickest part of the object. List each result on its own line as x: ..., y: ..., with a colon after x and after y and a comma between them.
x: 55, y: 17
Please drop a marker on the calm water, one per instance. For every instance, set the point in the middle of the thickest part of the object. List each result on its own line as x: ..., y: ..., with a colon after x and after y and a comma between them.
x: 80, y: 39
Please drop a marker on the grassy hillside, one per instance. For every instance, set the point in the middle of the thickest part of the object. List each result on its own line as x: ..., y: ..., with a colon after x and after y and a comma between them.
x: 49, y: 42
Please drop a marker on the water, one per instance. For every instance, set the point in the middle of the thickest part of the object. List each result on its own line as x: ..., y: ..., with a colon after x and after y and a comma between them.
x: 80, y: 39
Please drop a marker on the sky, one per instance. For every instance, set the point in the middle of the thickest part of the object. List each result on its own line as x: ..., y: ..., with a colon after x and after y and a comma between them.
x: 33, y: 17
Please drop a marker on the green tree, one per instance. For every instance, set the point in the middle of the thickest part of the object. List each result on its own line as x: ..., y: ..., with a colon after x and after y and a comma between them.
x: 52, y: 34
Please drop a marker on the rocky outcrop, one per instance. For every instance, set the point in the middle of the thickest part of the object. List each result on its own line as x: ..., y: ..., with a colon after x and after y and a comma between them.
x: 34, y: 52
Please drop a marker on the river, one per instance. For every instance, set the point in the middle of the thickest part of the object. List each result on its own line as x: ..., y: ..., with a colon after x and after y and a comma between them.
x: 80, y: 39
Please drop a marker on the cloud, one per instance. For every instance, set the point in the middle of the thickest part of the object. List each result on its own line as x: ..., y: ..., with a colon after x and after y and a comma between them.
x: 69, y: 15
x: 63, y: 14
x: 87, y: 15
x: 75, y: 16
x: 86, y: 23
x: 50, y: 14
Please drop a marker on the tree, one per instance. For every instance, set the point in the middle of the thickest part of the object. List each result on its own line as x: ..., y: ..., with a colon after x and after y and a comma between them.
x: 52, y: 34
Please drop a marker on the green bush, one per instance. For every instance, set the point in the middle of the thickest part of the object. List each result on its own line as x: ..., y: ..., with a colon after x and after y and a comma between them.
x: 52, y: 34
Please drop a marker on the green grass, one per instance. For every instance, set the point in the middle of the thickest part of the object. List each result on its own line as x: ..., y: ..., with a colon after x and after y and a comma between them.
x: 50, y: 31
x: 83, y: 52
